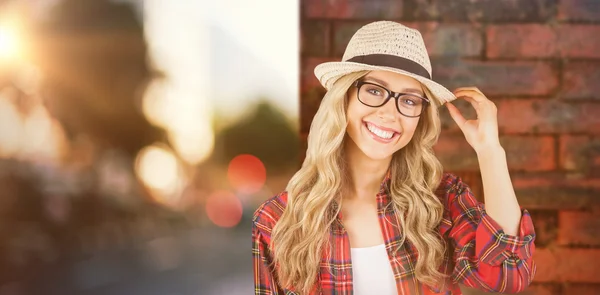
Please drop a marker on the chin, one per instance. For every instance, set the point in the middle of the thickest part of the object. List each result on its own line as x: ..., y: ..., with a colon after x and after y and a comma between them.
x: 376, y: 155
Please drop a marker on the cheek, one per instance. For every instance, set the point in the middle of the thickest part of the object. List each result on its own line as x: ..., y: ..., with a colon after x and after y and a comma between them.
x: 411, y: 126
x: 355, y: 113
x: 354, y: 123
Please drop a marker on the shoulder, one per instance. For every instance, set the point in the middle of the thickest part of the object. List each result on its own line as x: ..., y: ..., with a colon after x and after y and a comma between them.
x: 268, y: 212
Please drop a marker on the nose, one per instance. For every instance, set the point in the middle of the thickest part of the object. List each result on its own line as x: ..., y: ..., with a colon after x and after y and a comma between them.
x: 388, y: 111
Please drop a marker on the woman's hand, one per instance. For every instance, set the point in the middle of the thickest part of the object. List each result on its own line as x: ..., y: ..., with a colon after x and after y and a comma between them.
x: 481, y: 133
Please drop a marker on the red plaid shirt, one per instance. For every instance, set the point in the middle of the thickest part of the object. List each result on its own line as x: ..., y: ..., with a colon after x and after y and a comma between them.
x: 482, y: 255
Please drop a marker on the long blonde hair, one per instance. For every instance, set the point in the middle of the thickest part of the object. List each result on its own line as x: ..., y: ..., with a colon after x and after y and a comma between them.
x: 302, y: 232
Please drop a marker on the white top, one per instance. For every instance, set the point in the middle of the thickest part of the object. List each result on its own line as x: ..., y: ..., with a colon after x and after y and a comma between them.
x: 372, y: 272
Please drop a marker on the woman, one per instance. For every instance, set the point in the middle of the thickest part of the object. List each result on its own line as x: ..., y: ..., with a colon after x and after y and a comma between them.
x: 371, y: 210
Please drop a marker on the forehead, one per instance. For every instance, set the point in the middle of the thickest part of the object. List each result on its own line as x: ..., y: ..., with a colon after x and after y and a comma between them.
x: 393, y: 81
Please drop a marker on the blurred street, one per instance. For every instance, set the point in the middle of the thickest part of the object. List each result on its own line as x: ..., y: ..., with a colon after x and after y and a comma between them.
x: 186, y: 263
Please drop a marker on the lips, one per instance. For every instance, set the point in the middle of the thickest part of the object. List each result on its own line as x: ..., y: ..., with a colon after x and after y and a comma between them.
x: 381, y: 139
x: 381, y: 127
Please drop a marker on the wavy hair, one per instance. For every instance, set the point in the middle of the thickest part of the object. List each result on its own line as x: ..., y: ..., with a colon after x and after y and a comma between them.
x: 300, y: 235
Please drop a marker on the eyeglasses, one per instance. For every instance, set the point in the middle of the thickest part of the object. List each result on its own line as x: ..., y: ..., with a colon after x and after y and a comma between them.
x: 373, y: 95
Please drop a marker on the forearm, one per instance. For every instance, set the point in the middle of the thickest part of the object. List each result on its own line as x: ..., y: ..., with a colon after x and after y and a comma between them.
x: 500, y: 200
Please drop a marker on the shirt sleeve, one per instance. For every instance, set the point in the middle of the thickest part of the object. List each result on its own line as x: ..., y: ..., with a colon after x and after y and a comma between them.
x: 264, y: 275
x: 485, y: 257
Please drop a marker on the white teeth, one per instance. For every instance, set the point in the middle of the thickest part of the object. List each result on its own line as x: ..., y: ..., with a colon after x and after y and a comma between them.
x: 379, y: 132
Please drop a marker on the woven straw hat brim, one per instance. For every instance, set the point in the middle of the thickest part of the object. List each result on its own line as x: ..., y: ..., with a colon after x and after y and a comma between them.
x: 329, y: 72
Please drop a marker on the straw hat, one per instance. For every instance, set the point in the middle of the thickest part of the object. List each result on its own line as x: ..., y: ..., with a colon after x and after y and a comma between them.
x: 387, y: 46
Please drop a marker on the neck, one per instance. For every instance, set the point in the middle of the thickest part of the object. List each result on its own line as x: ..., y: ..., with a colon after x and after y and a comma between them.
x: 365, y: 173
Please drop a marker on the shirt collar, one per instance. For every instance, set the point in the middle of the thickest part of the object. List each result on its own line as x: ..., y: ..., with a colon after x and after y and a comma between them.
x: 384, y: 187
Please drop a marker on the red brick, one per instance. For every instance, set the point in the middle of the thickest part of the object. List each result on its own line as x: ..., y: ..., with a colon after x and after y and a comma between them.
x: 579, y: 228
x: 480, y: 10
x: 315, y: 38
x: 532, y: 40
x: 580, y: 80
x: 535, y: 41
x: 473, y: 180
x: 546, y: 226
x: 440, y: 39
x: 529, y: 153
x: 541, y: 289
x: 567, y: 265
x: 308, y: 80
x: 311, y: 91
x: 455, y: 153
x: 533, y: 116
x: 547, y: 116
x: 355, y: 9
x: 581, y: 289
x: 451, y: 39
x: 579, y: 41
x: 523, y: 152
x: 527, y: 116
x: 533, y: 289
x: 580, y: 152
x: 342, y: 33
x: 586, y: 10
x: 556, y: 191
x: 498, y: 78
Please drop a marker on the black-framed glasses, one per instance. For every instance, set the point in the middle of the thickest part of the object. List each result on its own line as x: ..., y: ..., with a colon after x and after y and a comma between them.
x: 374, y: 95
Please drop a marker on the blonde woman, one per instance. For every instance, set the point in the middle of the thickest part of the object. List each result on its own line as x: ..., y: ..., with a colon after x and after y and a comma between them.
x: 371, y: 210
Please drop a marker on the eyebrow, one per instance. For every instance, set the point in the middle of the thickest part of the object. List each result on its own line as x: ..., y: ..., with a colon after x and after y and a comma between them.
x: 385, y: 84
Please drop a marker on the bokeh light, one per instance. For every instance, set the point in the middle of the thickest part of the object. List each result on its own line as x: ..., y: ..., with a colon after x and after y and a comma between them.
x: 155, y: 104
x: 224, y: 209
x: 11, y: 128
x: 43, y: 136
x: 10, y: 44
x: 194, y: 144
x: 247, y: 174
x: 160, y: 171
x: 184, y: 116
x: 181, y: 103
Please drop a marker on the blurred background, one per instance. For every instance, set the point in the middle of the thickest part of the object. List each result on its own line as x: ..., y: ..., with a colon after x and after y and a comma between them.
x: 137, y: 138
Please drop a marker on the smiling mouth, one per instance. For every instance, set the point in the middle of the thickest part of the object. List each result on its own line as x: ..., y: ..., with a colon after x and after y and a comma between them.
x: 380, y: 135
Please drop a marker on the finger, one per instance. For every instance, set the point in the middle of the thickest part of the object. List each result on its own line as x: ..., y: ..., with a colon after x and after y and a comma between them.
x: 467, y: 98
x: 476, y: 105
x: 477, y: 96
x: 473, y: 88
x: 455, y: 114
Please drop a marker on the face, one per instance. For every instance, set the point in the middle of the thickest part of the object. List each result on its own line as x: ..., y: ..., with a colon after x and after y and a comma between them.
x: 369, y: 127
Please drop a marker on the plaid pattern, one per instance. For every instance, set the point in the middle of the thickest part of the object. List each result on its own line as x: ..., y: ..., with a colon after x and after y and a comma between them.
x: 480, y: 255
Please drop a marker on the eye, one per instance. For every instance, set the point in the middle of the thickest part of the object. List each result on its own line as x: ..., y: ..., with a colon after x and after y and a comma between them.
x: 374, y: 91
x: 409, y: 100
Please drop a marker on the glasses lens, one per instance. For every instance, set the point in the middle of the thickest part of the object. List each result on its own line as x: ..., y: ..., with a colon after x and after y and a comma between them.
x: 372, y: 95
x: 410, y: 105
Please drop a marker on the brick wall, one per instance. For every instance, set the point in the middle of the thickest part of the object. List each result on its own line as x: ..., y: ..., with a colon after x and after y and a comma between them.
x: 539, y: 61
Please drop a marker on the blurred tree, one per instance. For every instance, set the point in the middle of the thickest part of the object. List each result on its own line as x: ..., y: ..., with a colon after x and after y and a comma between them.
x: 265, y: 133
x: 93, y: 56
x: 74, y: 15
